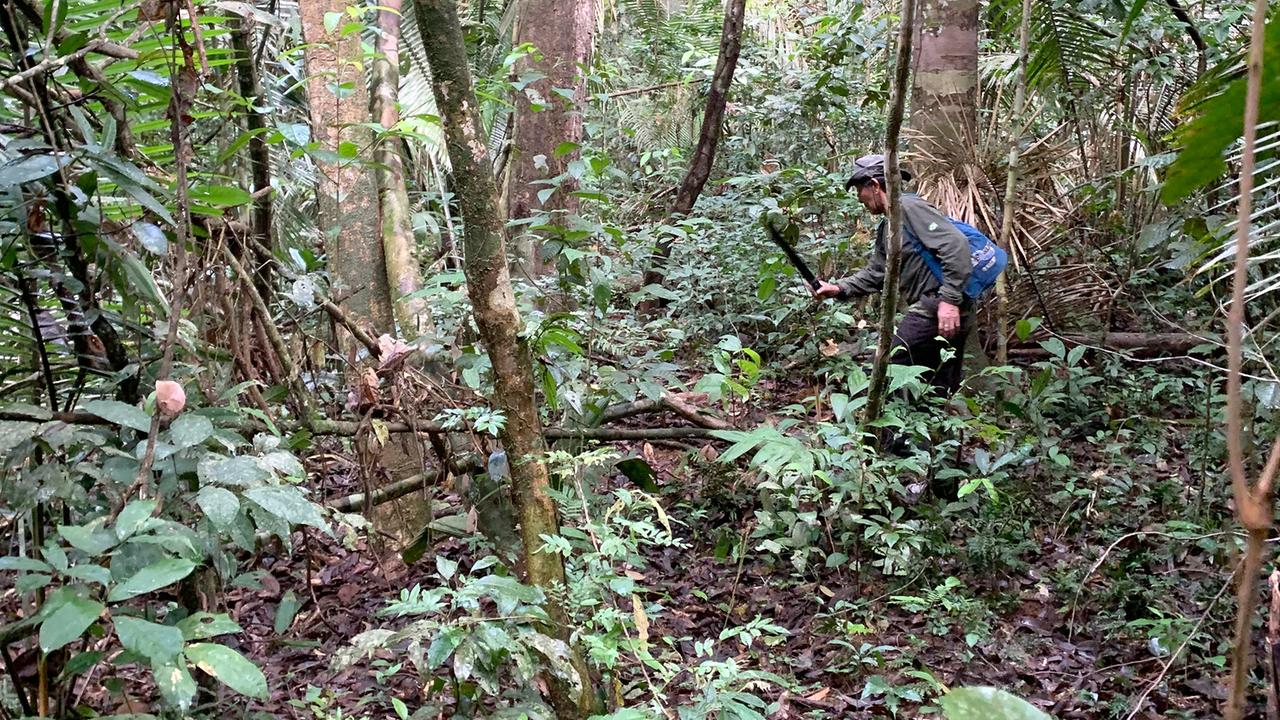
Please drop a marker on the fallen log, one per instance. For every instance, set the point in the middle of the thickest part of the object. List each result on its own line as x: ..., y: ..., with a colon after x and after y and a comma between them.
x: 1137, y: 344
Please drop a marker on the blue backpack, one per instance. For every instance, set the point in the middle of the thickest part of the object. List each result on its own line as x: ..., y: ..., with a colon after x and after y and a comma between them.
x: 989, y: 259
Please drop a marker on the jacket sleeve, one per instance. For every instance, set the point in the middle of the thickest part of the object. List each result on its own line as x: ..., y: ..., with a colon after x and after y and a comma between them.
x: 868, y: 280
x: 936, y: 233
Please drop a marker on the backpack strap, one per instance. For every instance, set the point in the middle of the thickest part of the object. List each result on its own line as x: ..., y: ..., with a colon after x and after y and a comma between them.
x: 930, y: 260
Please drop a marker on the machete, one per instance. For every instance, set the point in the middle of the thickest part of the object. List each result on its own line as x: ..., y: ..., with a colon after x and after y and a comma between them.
x: 794, y: 257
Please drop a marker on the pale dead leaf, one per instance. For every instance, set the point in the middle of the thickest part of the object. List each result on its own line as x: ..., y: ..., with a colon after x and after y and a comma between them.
x: 829, y: 348
x: 642, y: 620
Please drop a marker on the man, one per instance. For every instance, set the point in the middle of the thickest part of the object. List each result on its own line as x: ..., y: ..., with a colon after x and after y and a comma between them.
x: 933, y: 308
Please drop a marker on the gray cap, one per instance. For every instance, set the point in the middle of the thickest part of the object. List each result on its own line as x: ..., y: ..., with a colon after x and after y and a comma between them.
x: 871, y: 167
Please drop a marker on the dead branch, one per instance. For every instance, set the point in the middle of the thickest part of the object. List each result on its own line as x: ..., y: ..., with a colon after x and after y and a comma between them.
x: 668, y: 402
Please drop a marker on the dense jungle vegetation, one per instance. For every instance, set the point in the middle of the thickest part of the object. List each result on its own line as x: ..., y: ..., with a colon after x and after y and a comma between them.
x: 433, y: 359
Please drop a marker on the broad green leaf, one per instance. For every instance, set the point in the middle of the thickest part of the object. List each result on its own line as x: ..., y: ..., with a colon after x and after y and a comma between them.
x: 190, y: 430
x: 220, y: 196
x: 219, y: 505
x: 133, y: 516
x: 288, y: 504
x: 68, y: 622
x: 158, y: 643
x: 286, y: 611
x: 35, y: 412
x: 90, y: 573
x: 13, y: 434
x: 243, y: 471
x: 230, y: 667
x: 177, y: 687
x: 442, y: 647
x: 986, y: 703
x: 92, y: 540
x: 1219, y: 122
x: 29, y: 168
x: 136, y: 274
x: 23, y: 563
x: 82, y: 662
x: 205, y: 625
x: 152, y: 577
x: 124, y: 414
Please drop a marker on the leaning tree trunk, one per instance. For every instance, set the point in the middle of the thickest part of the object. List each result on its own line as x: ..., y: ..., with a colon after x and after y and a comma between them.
x: 412, y: 315
x: 563, y: 33
x: 347, y: 196
x: 945, y: 89
x: 494, y: 308
x: 1011, y: 185
x: 709, y: 137
x: 893, y: 241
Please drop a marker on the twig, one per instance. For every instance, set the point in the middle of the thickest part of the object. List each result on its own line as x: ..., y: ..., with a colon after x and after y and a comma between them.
x: 1273, y: 647
x: 1253, y: 505
x: 1137, y: 705
x: 273, y: 335
x: 1075, y: 600
x: 645, y: 89
x: 325, y: 302
x: 56, y: 62
x: 178, y: 106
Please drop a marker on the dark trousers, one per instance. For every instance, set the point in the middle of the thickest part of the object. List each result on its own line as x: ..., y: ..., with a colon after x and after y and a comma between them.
x: 916, y: 342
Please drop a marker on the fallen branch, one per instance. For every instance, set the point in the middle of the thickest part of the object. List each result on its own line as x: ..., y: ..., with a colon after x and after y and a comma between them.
x: 597, y: 433
x: 348, y: 428
x: 668, y: 402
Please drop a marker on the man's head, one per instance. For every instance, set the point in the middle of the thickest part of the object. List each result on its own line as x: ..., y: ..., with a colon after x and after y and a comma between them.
x: 868, y: 181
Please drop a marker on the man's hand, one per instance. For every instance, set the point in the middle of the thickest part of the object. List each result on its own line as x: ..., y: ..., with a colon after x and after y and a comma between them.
x: 825, y: 290
x: 948, y: 319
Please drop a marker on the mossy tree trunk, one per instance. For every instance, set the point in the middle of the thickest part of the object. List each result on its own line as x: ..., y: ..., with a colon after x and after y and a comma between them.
x: 494, y: 309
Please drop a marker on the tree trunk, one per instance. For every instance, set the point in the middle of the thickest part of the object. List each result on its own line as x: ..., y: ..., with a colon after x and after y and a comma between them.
x: 563, y: 33
x: 494, y: 308
x: 347, y: 196
x: 893, y: 243
x: 945, y: 88
x: 709, y: 137
x: 412, y: 315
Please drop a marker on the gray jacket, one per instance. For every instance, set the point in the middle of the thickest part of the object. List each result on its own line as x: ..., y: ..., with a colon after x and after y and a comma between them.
x: 916, y: 281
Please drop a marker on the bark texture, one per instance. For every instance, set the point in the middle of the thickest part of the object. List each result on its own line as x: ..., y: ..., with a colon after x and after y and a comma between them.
x: 396, y: 228
x: 259, y: 153
x: 347, y: 196
x: 563, y: 31
x: 945, y: 87
x: 709, y: 136
x: 494, y: 308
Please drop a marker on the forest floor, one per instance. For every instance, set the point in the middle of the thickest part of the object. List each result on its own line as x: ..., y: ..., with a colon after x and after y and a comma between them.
x: 857, y: 645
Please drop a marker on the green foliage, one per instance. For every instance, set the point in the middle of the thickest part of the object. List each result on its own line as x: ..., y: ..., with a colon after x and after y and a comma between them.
x: 984, y: 703
x: 1217, y: 123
